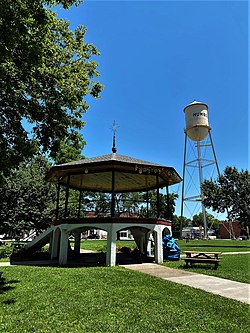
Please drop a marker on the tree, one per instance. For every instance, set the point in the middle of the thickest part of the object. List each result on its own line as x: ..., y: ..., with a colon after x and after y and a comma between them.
x: 46, y: 70
x: 70, y: 150
x: 177, y: 223
x: 167, y: 204
x: 129, y: 204
x: 97, y: 202
x: 230, y: 193
x: 212, y: 222
x: 27, y: 201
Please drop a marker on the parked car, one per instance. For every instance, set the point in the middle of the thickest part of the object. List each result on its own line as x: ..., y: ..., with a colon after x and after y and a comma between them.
x: 242, y: 237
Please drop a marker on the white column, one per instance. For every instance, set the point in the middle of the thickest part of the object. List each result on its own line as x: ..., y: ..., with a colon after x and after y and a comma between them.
x: 111, y: 246
x: 158, y: 245
x: 55, y: 243
x: 77, y: 244
x: 149, y: 243
x: 63, y: 254
x: 149, y: 248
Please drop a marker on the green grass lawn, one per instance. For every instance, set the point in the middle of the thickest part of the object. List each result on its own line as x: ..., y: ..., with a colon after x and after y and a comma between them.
x: 4, y: 259
x: 233, y: 267
x: 101, y: 245
x: 103, y: 299
x: 218, y: 245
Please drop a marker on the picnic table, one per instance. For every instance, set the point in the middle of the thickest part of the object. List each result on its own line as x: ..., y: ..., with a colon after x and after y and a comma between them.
x: 202, y: 257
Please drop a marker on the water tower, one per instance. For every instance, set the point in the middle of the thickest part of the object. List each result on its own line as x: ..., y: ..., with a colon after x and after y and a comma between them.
x: 199, y: 156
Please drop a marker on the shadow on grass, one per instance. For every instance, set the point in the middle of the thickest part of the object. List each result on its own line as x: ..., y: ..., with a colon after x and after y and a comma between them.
x: 97, y: 259
x: 200, y: 267
x: 6, y: 286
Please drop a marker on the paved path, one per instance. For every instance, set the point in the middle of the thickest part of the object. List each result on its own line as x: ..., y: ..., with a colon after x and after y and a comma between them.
x: 5, y: 263
x: 227, y: 288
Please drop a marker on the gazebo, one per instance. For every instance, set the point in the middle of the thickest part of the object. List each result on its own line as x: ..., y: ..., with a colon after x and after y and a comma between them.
x: 113, y: 173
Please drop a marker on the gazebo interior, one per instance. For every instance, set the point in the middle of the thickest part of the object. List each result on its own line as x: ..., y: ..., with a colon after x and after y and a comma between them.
x: 112, y: 175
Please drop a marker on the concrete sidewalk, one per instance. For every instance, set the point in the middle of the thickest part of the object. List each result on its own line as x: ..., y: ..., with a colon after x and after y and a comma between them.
x: 226, y: 288
x: 5, y: 263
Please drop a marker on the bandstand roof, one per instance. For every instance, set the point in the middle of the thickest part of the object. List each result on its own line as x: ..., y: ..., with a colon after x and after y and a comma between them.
x: 129, y: 174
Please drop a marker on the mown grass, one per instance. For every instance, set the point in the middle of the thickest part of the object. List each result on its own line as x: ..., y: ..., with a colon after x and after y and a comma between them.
x: 101, y: 245
x: 233, y: 267
x: 42, y: 299
x: 5, y: 251
x: 194, y: 245
x: 218, y: 245
x: 5, y: 259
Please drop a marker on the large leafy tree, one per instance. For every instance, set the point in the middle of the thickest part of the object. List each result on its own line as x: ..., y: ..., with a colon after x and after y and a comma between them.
x: 70, y: 150
x: 230, y: 193
x: 27, y: 201
x: 46, y: 70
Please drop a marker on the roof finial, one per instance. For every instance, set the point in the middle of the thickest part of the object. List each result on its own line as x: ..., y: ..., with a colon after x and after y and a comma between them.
x: 114, y: 128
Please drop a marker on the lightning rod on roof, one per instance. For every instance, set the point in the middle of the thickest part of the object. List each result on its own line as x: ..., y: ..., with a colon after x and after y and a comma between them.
x: 114, y: 128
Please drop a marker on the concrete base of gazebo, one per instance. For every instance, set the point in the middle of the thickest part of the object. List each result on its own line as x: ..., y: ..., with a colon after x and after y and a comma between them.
x: 141, y: 230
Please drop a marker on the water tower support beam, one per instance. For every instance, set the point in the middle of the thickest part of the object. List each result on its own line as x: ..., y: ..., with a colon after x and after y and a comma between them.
x: 201, y: 181
x: 215, y: 159
x: 183, y: 181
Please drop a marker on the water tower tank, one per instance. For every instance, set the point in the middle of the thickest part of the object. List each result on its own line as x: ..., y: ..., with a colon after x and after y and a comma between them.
x: 197, y: 126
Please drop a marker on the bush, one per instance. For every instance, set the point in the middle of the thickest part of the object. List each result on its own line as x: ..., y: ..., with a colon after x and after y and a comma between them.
x: 5, y: 250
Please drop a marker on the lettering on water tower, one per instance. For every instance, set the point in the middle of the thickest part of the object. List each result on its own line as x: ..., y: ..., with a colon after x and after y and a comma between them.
x: 199, y: 114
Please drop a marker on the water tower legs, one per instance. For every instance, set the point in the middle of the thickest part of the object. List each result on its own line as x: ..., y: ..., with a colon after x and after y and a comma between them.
x: 198, y: 161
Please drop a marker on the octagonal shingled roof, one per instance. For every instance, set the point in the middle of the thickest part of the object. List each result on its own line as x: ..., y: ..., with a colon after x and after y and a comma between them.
x: 130, y: 174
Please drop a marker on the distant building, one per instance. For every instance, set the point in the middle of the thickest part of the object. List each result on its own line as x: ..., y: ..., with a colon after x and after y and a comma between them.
x: 192, y: 233
x: 225, y: 230
x: 197, y: 233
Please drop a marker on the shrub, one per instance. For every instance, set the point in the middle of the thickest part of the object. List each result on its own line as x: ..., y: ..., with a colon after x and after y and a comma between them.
x: 5, y: 250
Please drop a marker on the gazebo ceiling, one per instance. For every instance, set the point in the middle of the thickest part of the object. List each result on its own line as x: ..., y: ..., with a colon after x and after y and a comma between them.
x: 130, y: 174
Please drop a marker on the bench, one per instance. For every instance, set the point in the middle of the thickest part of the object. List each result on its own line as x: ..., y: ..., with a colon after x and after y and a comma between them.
x: 202, y: 257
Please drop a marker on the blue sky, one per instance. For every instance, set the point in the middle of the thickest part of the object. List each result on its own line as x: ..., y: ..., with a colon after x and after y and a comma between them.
x: 156, y: 58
